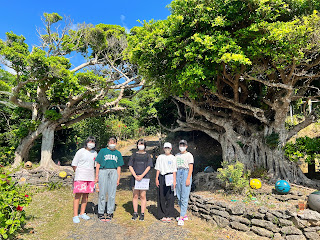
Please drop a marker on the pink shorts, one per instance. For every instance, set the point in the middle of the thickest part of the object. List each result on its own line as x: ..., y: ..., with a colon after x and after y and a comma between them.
x: 83, y: 186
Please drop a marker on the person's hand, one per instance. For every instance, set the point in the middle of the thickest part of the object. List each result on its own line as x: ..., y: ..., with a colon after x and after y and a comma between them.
x: 118, y: 181
x: 188, y: 182
x: 157, y: 182
x: 139, y: 178
x: 96, y: 180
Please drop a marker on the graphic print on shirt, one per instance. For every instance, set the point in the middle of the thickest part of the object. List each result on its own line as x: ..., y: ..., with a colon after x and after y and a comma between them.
x: 110, y: 157
x: 180, y: 161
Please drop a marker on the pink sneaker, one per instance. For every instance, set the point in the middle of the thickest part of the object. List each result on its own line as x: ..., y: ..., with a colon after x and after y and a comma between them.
x: 185, y: 218
x: 180, y: 222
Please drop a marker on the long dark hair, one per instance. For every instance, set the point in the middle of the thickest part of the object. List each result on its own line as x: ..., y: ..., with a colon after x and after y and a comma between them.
x: 90, y: 139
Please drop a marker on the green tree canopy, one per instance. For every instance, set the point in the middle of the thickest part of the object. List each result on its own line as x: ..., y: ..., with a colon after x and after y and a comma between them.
x: 57, y: 95
x: 235, y: 67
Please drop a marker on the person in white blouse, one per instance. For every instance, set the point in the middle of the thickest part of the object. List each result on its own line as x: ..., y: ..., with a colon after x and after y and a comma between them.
x: 83, y: 165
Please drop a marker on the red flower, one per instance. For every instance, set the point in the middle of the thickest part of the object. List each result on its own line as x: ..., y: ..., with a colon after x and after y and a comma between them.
x: 26, y: 195
x: 19, y: 208
x: 119, y: 126
x: 125, y: 125
x: 107, y: 125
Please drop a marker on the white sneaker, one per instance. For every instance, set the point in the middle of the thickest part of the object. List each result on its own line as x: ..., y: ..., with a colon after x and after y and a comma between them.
x: 180, y: 222
x: 185, y: 218
x: 84, y: 216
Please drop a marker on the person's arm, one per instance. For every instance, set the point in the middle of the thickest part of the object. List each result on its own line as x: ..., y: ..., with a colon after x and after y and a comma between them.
x: 133, y: 172
x: 119, y: 172
x: 97, y: 172
x: 157, y: 178
x: 144, y: 173
x: 174, y: 179
x: 189, y: 174
x: 75, y: 161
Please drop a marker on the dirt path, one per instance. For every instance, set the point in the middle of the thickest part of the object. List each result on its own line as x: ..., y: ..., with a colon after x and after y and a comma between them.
x: 121, y: 226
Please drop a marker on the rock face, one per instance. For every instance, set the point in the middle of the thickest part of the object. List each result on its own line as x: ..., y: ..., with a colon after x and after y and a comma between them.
x: 274, y: 224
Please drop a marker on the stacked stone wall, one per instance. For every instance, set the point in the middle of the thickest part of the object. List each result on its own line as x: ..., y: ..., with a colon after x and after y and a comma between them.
x: 274, y: 224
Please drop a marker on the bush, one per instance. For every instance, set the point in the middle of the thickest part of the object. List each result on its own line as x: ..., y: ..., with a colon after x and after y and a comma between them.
x: 304, y: 147
x: 234, y: 176
x: 12, y: 201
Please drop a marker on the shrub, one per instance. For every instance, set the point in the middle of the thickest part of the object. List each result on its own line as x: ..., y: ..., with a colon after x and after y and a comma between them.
x: 304, y: 147
x: 12, y: 201
x: 234, y: 176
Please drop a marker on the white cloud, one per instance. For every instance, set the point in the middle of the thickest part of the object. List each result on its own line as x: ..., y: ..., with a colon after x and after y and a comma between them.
x: 123, y: 18
x: 8, y: 69
x: 74, y: 26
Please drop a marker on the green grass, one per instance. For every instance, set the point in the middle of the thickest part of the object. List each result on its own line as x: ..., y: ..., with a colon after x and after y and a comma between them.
x: 49, y: 214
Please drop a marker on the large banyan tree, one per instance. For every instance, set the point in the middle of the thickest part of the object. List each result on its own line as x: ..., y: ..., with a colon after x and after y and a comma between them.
x: 233, y: 68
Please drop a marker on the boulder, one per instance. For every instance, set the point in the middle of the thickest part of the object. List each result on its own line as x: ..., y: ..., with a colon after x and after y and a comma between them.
x: 240, y: 219
x: 291, y: 230
x: 262, y: 231
x: 265, y: 224
x: 221, y: 221
x: 239, y: 226
x: 312, y: 235
x: 224, y: 214
x: 309, y: 214
x: 295, y: 237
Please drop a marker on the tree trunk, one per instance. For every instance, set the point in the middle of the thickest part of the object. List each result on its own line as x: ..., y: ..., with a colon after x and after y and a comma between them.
x: 26, y: 143
x: 254, y: 152
x: 46, y: 148
x: 22, y: 151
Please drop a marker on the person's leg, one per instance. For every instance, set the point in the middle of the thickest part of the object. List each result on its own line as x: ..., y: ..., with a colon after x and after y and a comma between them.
x: 76, y: 201
x: 102, y: 190
x: 179, y: 186
x: 84, y: 202
x: 161, y: 198
x: 185, y: 195
x: 112, y: 188
x: 143, y: 199
x: 135, y: 200
x: 169, y: 202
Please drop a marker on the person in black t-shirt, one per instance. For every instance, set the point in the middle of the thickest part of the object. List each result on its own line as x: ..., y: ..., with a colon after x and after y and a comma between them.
x: 140, y: 164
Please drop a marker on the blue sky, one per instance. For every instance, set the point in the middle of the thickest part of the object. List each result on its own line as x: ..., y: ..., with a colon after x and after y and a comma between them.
x: 24, y: 17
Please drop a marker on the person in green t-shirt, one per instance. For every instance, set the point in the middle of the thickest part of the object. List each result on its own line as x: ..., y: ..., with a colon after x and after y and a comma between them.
x: 108, y: 169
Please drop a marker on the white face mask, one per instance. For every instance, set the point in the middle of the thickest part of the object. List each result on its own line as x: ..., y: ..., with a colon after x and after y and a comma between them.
x: 112, y: 146
x: 167, y: 151
x: 91, y: 145
x: 182, y: 149
x: 141, y: 147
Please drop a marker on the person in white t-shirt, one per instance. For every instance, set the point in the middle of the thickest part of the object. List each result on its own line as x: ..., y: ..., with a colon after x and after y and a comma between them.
x: 184, y: 179
x: 166, y: 167
x: 83, y: 165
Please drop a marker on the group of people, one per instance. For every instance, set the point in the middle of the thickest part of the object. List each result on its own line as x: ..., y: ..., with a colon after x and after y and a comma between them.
x: 173, y: 177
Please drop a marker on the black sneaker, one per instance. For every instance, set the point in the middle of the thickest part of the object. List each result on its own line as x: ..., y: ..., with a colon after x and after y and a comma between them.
x: 101, y: 217
x: 141, y: 218
x: 134, y: 216
x: 109, y: 217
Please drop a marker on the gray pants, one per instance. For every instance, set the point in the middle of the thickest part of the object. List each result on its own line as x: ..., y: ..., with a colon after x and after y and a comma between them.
x: 107, y: 184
